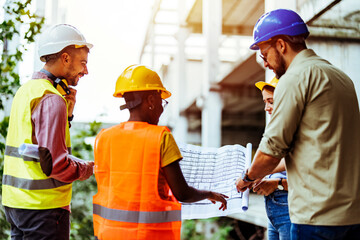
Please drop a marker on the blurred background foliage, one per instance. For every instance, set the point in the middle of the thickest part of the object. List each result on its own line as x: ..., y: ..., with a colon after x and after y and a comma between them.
x: 81, y: 203
x: 19, y: 23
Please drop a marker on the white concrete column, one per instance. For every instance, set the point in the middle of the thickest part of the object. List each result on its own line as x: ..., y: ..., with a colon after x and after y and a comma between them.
x: 275, y: 4
x: 181, y: 124
x: 211, y: 112
x: 40, y: 11
x: 54, y: 12
x: 211, y: 121
x: 180, y: 129
x: 152, y: 44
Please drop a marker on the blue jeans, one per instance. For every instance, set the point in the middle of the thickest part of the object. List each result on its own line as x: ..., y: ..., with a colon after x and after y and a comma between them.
x: 313, y: 232
x: 49, y: 224
x: 277, y: 210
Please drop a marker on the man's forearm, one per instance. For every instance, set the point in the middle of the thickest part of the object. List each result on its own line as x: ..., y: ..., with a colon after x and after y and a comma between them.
x: 280, y: 167
x: 262, y: 165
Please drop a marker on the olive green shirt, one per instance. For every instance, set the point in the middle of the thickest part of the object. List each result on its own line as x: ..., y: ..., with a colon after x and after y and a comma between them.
x: 315, y: 125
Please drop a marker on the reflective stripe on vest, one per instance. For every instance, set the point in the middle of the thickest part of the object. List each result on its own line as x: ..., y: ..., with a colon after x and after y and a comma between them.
x: 137, y: 217
x: 14, y: 152
x: 32, y: 184
x: 25, y: 185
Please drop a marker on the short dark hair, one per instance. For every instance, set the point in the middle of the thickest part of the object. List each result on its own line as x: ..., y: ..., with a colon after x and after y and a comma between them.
x: 69, y: 49
x: 296, y: 43
x: 134, y: 99
x: 268, y: 87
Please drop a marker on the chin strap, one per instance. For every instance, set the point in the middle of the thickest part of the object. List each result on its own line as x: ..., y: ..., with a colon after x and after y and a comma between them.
x: 133, y: 103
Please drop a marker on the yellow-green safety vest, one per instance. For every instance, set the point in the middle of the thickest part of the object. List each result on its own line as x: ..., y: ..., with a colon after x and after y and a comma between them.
x: 24, y: 184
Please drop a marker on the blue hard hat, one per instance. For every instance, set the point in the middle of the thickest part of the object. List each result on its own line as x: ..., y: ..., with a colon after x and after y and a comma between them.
x: 278, y: 22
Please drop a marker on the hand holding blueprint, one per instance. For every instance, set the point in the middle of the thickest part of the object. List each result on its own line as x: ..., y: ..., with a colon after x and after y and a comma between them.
x: 214, y: 169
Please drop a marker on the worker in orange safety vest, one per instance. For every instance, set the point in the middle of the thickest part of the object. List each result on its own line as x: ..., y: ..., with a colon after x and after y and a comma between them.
x: 137, y: 167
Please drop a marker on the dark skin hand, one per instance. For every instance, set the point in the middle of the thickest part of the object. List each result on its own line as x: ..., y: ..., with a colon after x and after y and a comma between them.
x: 185, y: 193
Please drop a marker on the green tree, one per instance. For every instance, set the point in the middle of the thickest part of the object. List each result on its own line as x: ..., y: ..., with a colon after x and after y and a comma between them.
x: 218, y: 228
x: 21, y: 22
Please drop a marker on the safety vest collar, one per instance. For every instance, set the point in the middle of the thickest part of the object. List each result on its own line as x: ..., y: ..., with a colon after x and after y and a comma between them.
x: 137, y: 216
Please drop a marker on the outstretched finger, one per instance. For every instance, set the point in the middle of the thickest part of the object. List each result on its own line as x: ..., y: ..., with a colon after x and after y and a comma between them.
x: 223, y: 207
x: 223, y: 195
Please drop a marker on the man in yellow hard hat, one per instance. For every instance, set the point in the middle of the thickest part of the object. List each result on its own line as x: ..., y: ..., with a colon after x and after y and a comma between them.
x: 137, y: 167
x: 36, y: 194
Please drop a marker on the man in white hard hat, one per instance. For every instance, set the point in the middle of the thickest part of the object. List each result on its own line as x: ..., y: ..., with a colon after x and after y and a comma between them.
x: 36, y: 194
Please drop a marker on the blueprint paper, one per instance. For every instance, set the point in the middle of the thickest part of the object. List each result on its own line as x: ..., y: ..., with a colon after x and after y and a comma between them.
x: 29, y: 150
x: 32, y: 151
x: 214, y: 169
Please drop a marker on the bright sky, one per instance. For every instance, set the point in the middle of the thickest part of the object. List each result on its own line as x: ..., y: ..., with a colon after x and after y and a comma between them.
x: 117, y: 29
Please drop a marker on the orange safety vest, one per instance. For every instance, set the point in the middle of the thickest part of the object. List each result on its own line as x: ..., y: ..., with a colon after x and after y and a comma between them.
x: 128, y: 205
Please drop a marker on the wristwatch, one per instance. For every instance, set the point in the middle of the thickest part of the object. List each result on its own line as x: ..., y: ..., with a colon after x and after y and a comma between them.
x: 71, y: 118
x: 246, y: 178
x: 280, y: 185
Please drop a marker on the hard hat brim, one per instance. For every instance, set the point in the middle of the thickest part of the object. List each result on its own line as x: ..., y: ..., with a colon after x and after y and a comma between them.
x: 261, y: 85
x: 273, y: 83
x: 55, y: 48
x: 164, y: 93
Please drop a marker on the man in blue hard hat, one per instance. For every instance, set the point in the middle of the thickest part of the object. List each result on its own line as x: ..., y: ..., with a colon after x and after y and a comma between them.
x: 315, y: 125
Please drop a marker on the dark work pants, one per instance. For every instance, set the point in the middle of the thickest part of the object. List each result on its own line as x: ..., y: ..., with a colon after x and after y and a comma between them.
x: 313, y: 232
x: 49, y: 224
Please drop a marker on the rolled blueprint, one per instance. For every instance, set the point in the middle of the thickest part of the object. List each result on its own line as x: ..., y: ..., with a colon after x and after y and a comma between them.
x: 245, y: 199
x: 29, y: 150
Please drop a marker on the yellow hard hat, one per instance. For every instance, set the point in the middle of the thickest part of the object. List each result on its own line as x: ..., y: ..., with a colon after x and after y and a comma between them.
x: 139, y: 78
x: 260, y: 85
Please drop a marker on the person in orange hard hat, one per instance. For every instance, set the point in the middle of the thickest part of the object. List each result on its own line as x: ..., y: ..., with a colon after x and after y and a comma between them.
x: 137, y: 167
x: 274, y: 186
x: 36, y: 193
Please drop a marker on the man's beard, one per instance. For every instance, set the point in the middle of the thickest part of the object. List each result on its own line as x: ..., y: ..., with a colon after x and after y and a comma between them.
x: 70, y: 76
x: 280, y: 68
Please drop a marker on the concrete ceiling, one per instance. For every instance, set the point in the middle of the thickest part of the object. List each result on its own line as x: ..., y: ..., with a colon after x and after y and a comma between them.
x: 247, y: 72
x: 239, y: 16
x: 330, y: 19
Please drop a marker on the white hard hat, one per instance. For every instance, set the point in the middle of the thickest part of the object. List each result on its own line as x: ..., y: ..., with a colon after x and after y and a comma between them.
x: 56, y: 38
